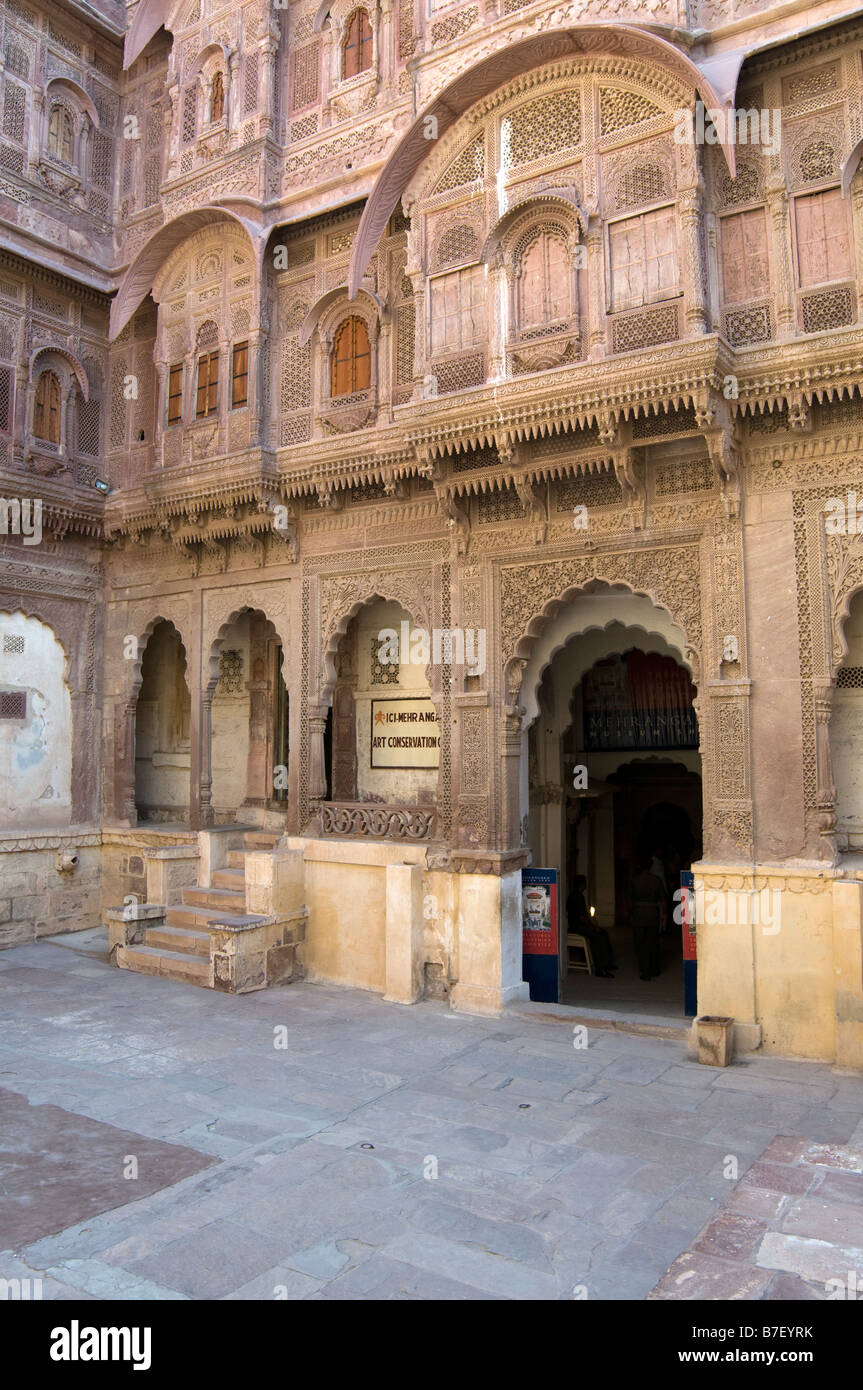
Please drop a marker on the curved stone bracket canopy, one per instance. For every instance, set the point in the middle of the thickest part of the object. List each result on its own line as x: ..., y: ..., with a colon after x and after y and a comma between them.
x: 77, y: 370
x: 138, y: 279
x: 149, y: 18
x: 321, y: 305
x: 77, y: 92
x: 850, y: 167
x: 493, y: 72
x: 207, y: 52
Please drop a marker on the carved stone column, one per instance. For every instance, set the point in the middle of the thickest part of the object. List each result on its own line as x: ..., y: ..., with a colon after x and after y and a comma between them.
x: 257, y: 347
x: 783, y: 280
x: 125, y: 772
x: 36, y: 133
x: 596, y: 336
x: 161, y: 402
x: 826, y: 805
x: 233, y: 101
x: 317, y: 766
x: 202, y: 744
x: 498, y: 305
x: 690, y: 223
x: 267, y: 88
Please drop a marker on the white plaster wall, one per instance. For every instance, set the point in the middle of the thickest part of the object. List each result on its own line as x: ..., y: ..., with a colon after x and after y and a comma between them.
x: 846, y: 740
x: 36, y: 753
x: 230, y: 745
x: 391, y: 784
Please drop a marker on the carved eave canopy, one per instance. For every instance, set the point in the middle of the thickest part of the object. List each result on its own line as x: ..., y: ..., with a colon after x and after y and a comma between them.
x: 798, y: 375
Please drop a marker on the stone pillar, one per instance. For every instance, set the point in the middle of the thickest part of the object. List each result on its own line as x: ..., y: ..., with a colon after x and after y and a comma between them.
x: 266, y: 98
x: 317, y: 769
x: 489, y: 936
x: 258, y: 345
x: 596, y: 335
x: 201, y: 736
x: 826, y: 811
x: 125, y: 773
x: 259, y: 776
x: 404, y: 933
x: 690, y: 222
x: 783, y: 278
x: 499, y: 307
x: 161, y: 402
x: 36, y: 134
x: 233, y: 100
x: 510, y: 836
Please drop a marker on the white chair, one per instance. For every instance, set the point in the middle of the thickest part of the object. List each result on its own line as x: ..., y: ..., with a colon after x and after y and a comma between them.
x: 576, y: 942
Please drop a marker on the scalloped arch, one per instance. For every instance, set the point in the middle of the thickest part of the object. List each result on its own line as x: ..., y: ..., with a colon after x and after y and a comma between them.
x: 77, y: 369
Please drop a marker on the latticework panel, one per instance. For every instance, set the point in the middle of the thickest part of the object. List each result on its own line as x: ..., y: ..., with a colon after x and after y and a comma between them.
x: 827, y: 309
x: 306, y: 64
x: 810, y: 85
x: 296, y: 382
x: 589, y: 490
x: 119, y: 405
x: 89, y: 427
x: 460, y: 374
x: 17, y: 59
x: 405, y: 344
x: 457, y: 245
x: 849, y: 678
x: 619, y: 109
x: 14, y: 112
x: 663, y: 422
x: 746, y: 188
x: 817, y: 161
x: 744, y: 326
x: 189, y: 123
x: 101, y: 159
x: 467, y: 167
x: 297, y: 430
x: 642, y: 184
x: 454, y: 25
x: 152, y: 179
x: 684, y: 476
x: 504, y: 505
x: 250, y: 84
x: 5, y: 400
x: 769, y: 421
x: 301, y: 129
x: 12, y: 159
x: 541, y: 128
x: 407, y: 38
x: 645, y: 329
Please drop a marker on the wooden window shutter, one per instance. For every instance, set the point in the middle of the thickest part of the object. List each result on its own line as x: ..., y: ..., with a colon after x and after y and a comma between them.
x: 46, y: 413
x: 352, y: 359
x: 357, y: 51
x: 175, y: 393
x: 240, y: 376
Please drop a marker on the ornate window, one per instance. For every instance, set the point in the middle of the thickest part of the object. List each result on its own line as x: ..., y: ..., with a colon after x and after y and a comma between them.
x: 459, y: 310
x: 352, y: 358
x: 643, y: 259
x: 545, y: 294
x: 745, y: 267
x: 175, y: 393
x: 240, y: 376
x: 61, y: 138
x: 823, y: 240
x: 357, y: 46
x: 207, y: 400
x: 217, y: 96
x: 46, y: 411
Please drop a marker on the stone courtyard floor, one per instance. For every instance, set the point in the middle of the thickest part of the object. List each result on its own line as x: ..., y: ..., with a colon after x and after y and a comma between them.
x: 396, y: 1152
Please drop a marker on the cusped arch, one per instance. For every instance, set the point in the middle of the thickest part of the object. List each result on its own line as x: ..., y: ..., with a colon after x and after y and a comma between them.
x: 412, y: 603
x: 31, y: 606
x: 74, y: 90
x: 136, y: 671
x: 136, y: 283
x: 363, y: 300
x: 850, y: 167
x: 214, y: 643
x: 539, y: 642
x: 551, y: 199
x: 495, y: 71
x: 210, y: 50
x: 71, y: 361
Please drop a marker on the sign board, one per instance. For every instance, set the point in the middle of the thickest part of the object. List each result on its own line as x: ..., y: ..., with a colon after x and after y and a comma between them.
x: 690, y: 954
x: 405, y: 733
x: 540, y: 890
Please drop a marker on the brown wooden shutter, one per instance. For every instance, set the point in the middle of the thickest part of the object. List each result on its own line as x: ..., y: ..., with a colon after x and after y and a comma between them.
x: 175, y: 393
x: 213, y: 384
x: 240, y: 376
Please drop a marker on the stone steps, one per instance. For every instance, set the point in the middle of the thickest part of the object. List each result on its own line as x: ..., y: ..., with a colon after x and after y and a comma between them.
x: 234, y: 879
x: 170, y: 965
x: 226, y: 900
x: 185, y: 940
x: 236, y: 859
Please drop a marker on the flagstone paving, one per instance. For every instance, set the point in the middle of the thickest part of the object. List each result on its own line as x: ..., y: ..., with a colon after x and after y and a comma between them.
x: 397, y: 1152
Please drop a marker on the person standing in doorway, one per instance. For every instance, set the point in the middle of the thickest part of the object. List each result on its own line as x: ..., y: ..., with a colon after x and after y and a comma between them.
x: 647, y: 896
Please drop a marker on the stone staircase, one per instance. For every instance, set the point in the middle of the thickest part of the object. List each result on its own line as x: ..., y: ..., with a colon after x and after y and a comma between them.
x: 184, y: 938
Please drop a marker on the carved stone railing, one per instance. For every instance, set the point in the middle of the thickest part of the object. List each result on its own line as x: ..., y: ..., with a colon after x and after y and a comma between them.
x: 373, y: 821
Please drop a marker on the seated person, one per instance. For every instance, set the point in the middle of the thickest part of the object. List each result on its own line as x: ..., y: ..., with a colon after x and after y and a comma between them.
x: 579, y: 921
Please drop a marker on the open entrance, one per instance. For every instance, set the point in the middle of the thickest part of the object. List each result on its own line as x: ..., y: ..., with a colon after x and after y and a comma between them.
x: 614, y: 797
x: 250, y: 719
x: 162, y: 712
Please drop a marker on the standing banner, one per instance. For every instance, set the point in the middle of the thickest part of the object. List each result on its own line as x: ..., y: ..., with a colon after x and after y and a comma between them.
x: 540, y: 891
x: 690, y: 960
